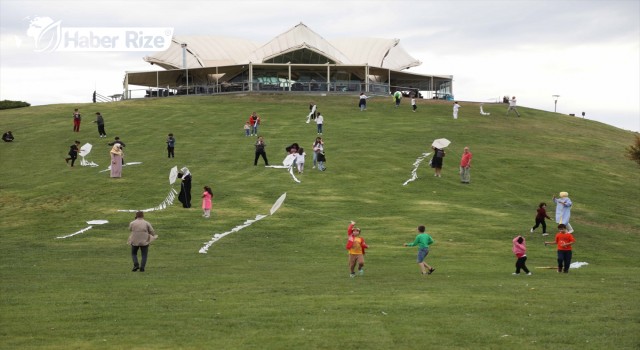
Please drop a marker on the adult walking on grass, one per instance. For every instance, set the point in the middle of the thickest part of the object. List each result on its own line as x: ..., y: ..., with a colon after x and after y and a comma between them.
x: 356, y: 247
x: 564, y: 241
x: 563, y: 210
x: 456, y: 107
x: 397, y: 97
x: 100, y: 122
x: 465, y: 166
x: 142, y: 234
x: 260, y: 151
x: 423, y: 241
x: 520, y: 250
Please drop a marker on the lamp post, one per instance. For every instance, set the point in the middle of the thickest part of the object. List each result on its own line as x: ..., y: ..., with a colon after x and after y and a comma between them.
x: 184, y: 63
x: 555, y: 102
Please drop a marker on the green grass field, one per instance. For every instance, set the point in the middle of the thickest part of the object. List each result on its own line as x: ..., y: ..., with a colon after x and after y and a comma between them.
x: 283, y: 282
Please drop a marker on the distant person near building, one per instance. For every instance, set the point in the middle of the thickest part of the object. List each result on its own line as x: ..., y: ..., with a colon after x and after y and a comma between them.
x: 397, y: 96
x: 362, y: 103
x: 456, y: 107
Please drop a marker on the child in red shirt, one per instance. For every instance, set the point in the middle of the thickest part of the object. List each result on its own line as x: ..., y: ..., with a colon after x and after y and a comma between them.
x: 564, y: 241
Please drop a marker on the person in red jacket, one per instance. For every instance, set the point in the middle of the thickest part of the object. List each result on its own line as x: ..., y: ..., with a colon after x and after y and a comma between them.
x: 356, y: 247
x: 540, y: 216
x: 564, y: 241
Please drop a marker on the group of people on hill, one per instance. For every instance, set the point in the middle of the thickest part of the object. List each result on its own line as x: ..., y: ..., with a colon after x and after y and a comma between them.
x: 564, y: 239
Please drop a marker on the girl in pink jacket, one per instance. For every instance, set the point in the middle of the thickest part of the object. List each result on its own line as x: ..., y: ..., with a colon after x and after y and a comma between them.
x: 520, y: 250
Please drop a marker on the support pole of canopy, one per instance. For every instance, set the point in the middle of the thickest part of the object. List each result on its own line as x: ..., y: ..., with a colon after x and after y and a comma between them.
x: 366, y: 77
x: 250, y: 76
x: 328, y: 77
x: 289, y: 80
x: 157, y: 85
x: 125, y: 85
x: 217, y: 82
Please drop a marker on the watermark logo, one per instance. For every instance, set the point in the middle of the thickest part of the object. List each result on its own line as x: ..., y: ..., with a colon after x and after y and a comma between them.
x: 50, y: 35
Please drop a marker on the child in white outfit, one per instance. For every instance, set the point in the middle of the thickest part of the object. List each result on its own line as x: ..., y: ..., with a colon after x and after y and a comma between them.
x: 300, y: 160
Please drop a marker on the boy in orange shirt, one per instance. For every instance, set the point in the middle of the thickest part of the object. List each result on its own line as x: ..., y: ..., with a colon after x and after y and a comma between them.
x: 356, y: 247
x: 564, y: 241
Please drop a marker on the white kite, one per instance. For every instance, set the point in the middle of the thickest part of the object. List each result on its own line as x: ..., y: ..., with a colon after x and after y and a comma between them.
x: 287, y: 163
x: 92, y: 222
x: 168, y: 201
x: 216, y: 237
x: 84, y: 151
x: 416, y: 164
x: 483, y: 112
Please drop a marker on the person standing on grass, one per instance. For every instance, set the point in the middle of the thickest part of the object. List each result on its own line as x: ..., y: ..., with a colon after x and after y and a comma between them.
x: 255, y: 125
x: 437, y: 160
x: 541, y: 214
x: 100, y: 121
x: 318, y: 147
x: 73, y: 153
x: 312, y: 112
x: 465, y: 166
x: 319, y: 122
x: 423, y: 241
x: 185, y: 187
x: 563, y: 209
x: 260, y: 151
x: 512, y: 106
x: 171, y: 146
x: 142, y: 234
x: 413, y: 103
x: 77, y: 118
x: 117, y: 159
x: 206, y: 201
x: 456, y: 107
x: 300, y: 160
x: 564, y: 240
x: 520, y: 250
x: 356, y: 247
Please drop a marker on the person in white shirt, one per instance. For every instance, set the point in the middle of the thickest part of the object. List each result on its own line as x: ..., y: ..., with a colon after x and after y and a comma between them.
x: 512, y: 106
x: 413, y: 104
x: 312, y: 112
x: 319, y: 121
x: 300, y: 160
x: 363, y: 102
x: 456, y: 107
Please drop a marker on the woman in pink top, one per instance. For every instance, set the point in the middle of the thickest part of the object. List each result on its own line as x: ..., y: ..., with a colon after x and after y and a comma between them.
x: 206, y: 201
x: 520, y: 250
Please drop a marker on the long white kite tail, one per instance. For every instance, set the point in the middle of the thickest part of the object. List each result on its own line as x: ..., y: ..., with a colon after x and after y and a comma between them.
x: 416, y: 164
x: 218, y: 236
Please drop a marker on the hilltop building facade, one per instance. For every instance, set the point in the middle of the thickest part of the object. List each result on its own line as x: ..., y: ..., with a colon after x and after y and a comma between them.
x: 298, y: 60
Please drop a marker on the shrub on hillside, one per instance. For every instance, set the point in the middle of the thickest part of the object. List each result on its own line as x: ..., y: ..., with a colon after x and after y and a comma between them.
x: 633, y: 151
x: 6, y: 104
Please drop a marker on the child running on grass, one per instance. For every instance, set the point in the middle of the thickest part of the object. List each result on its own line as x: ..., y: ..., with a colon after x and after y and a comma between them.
x: 540, y: 216
x: 423, y: 241
x: 356, y: 247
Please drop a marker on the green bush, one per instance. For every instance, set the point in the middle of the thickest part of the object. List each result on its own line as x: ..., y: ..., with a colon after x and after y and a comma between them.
x: 633, y: 151
x: 7, y: 104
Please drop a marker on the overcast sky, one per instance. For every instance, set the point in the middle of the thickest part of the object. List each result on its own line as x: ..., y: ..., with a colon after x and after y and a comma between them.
x: 588, y: 52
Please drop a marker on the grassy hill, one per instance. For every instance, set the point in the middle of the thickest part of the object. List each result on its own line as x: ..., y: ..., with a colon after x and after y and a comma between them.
x: 283, y: 281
